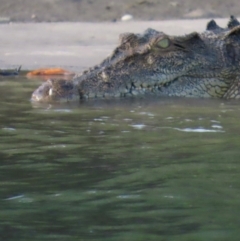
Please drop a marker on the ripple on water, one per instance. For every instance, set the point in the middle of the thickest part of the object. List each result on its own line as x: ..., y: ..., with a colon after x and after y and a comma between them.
x: 200, y: 130
x: 147, y: 113
x: 20, y: 198
x: 63, y: 110
x: 138, y: 126
x: 8, y: 129
x: 217, y: 126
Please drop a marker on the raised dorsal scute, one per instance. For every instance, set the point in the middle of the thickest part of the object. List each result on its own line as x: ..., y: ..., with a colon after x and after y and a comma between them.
x: 190, y: 41
x: 212, y: 25
x: 150, y: 31
x: 233, y: 33
x: 191, y: 37
x: 233, y: 22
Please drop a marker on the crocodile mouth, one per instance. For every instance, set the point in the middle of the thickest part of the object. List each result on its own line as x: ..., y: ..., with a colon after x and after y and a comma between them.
x: 155, y: 84
x: 148, y: 88
x: 65, y: 91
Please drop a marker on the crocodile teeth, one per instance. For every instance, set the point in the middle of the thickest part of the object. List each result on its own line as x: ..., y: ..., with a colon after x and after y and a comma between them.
x: 164, y: 78
x: 104, y: 76
x: 50, y: 92
x: 134, y: 92
x: 144, y: 85
x: 124, y: 91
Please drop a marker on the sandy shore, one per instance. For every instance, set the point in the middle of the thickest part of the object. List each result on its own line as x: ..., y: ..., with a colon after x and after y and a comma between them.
x: 75, y: 46
x: 113, y: 10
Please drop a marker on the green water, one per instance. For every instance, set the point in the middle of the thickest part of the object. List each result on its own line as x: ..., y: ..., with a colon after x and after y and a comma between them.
x: 135, y: 169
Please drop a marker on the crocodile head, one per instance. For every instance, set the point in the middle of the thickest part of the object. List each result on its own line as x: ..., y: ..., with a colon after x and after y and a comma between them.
x: 199, y: 65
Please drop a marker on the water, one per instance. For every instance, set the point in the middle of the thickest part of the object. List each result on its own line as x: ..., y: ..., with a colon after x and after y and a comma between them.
x: 135, y: 169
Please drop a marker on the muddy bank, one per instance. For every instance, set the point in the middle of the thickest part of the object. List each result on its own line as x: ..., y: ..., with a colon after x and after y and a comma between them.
x: 113, y: 10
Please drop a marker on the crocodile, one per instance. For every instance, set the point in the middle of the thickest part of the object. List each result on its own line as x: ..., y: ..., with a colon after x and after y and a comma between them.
x: 203, y: 64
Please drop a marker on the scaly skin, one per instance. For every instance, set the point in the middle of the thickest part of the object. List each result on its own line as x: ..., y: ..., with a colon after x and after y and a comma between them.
x: 193, y: 65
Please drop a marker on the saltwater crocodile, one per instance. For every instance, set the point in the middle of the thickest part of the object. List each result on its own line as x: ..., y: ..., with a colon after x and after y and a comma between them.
x: 203, y: 64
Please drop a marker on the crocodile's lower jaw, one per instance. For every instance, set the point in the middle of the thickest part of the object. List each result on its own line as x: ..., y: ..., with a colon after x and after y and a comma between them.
x: 152, y: 84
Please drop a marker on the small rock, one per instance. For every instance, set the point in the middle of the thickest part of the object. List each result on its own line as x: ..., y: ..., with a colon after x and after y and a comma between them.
x: 145, y: 2
x: 174, y: 4
x: 197, y: 13
x: 126, y: 17
x: 200, y: 13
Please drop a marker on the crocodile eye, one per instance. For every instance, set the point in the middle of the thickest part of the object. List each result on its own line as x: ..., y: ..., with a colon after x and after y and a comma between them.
x: 163, y: 43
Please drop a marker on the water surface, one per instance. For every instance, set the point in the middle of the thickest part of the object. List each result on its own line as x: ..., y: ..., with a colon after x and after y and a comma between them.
x: 127, y: 169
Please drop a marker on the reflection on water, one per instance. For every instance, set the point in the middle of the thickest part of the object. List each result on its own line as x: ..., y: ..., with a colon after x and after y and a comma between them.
x: 135, y: 169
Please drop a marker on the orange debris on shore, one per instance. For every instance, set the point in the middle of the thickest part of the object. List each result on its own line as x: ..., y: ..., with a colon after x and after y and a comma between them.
x: 49, y: 71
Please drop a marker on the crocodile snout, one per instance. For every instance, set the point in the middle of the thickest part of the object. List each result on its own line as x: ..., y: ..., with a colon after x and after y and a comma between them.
x: 42, y: 93
x: 56, y: 90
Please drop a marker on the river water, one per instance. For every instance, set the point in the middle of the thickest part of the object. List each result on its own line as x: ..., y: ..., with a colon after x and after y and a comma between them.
x: 126, y: 169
